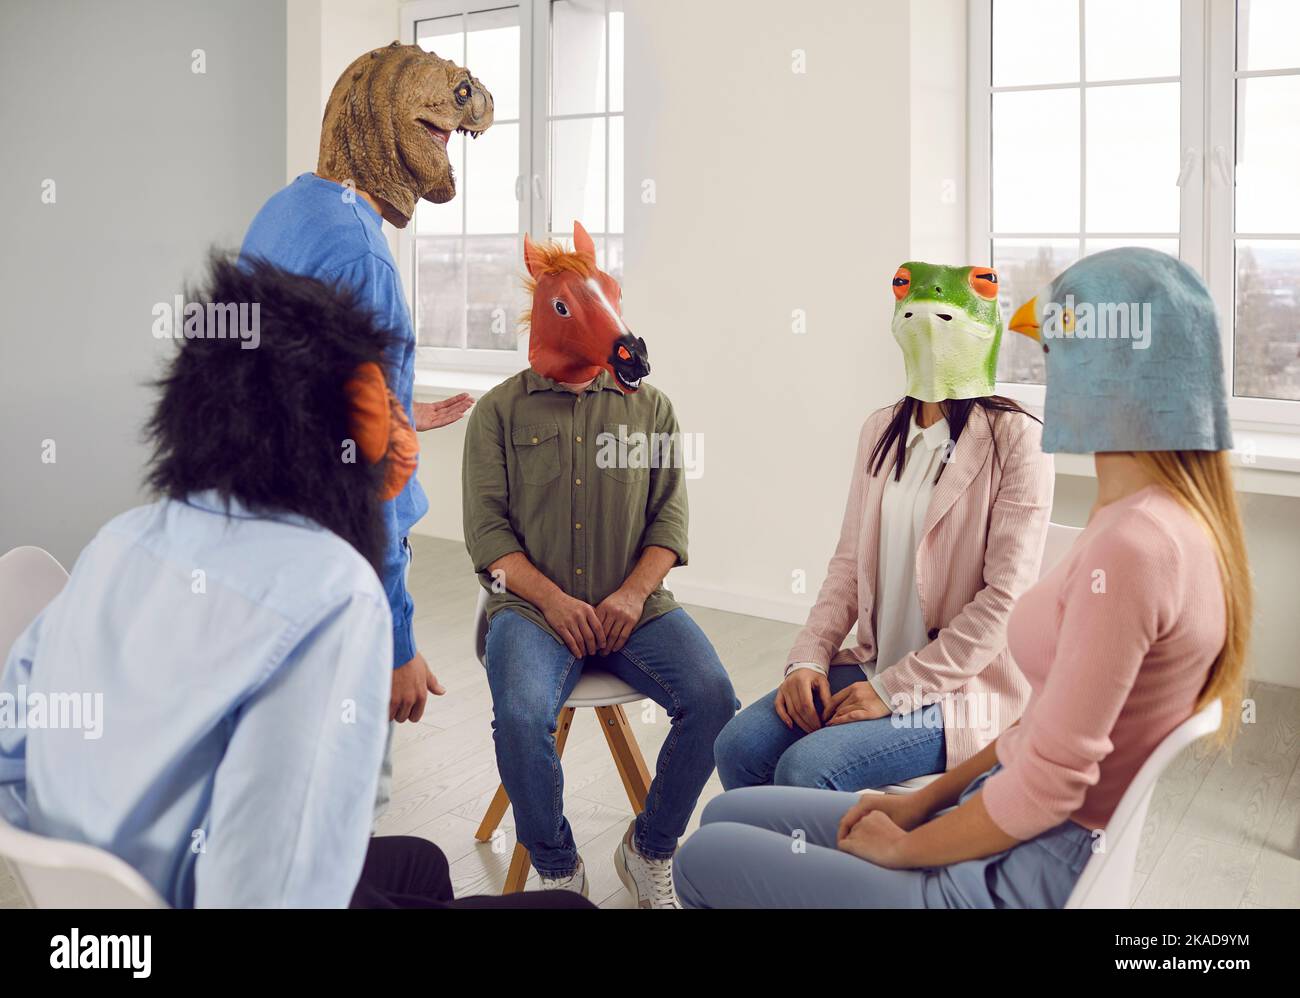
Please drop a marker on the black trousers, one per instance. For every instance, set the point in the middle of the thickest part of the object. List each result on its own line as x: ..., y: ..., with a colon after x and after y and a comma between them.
x: 402, y: 871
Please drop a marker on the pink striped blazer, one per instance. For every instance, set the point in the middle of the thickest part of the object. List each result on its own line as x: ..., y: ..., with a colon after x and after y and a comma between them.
x: 981, y: 548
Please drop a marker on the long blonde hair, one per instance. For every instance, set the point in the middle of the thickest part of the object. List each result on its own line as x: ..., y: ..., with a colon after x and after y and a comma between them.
x: 1202, y: 482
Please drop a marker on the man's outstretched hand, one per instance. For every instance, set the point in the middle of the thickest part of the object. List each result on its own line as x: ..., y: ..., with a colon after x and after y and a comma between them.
x: 412, y: 684
x: 431, y: 415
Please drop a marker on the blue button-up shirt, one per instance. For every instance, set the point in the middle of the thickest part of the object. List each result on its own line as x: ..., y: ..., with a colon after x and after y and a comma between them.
x: 207, y: 699
x: 319, y: 228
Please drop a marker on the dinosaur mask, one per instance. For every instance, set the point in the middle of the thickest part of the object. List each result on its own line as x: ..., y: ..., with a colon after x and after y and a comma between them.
x: 576, y: 320
x: 387, y: 123
x: 381, y: 429
x: 946, y: 319
x: 1133, y: 356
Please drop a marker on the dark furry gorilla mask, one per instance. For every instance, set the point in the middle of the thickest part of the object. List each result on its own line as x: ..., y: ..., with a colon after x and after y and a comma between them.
x: 302, y: 423
x: 388, y: 121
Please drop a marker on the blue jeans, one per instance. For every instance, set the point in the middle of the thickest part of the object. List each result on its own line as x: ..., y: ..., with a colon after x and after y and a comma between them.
x: 756, y: 748
x: 775, y: 847
x: 531, y: 674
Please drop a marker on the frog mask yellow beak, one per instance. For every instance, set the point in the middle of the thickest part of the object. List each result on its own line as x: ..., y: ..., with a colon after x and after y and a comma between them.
x: 1025, y: 320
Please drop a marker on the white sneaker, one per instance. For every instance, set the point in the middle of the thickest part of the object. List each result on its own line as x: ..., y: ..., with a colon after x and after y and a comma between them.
x: 576, y: 881
x: 650, y: 881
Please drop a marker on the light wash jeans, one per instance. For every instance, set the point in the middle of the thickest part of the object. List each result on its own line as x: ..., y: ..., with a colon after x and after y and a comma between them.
x: 774, y: 847
x: 531, y: 674
x: 756, y: 748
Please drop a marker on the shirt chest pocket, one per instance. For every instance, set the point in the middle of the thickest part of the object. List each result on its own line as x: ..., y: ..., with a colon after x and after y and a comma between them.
x: 624, y: 455
x: 537, y: 452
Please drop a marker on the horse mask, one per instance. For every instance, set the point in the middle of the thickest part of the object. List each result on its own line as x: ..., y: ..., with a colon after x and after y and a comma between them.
x: 576, y: 319
x: 947, y: 322
x: 387, y: 123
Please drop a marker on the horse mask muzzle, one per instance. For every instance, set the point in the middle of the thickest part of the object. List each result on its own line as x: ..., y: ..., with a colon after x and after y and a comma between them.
x: 630, y: 360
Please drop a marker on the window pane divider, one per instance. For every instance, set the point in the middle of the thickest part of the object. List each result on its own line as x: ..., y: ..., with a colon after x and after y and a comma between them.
x: 1082, y: 84
x: 1084, y: 235
x: 1261, y: 74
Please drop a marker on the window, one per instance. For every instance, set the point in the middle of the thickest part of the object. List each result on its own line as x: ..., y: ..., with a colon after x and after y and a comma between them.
x: 584, y: 124
x: 554, y: 153
x: 1261, y: 283
x: 1090, y: 130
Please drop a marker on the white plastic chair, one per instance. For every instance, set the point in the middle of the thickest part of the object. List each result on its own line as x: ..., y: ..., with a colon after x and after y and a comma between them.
x: 52, y: 873
x: 1059, y: 540
x: 1107, y: 880
x: 29, y: 578
x: 598, y: 689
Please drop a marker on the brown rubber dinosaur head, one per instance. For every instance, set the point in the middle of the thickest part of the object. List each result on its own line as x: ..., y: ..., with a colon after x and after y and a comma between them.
x: 388, y: 121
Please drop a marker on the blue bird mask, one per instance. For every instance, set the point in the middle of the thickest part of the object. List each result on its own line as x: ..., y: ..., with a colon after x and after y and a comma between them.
x: 1133, y: 356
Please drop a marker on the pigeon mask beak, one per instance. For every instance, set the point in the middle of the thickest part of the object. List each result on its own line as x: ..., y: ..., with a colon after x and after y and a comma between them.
x: 1025, y: 320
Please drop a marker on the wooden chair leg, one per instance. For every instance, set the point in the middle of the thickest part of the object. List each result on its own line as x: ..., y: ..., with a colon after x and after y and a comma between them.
x: 495, y: 812
x: 517, y: 875
x: 627, y: 754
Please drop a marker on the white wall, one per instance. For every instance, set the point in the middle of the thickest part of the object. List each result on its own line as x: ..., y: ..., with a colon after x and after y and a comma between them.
x: 152, y: 164
x: 776, y: 191
x: 324, y: 36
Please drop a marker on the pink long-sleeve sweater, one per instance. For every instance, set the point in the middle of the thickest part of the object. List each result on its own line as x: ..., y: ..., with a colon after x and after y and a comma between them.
x: 1116, y: 642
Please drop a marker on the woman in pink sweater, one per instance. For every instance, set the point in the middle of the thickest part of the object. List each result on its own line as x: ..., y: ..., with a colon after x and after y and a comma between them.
x: 1144, y: 621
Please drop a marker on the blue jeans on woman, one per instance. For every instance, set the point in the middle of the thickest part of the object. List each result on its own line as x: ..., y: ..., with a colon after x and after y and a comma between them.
x: 775, y: 847
x: 757, y: 749
x: 531, y: 674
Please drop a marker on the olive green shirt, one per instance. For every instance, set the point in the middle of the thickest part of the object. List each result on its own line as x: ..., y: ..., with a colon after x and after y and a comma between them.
x: 580, y: 482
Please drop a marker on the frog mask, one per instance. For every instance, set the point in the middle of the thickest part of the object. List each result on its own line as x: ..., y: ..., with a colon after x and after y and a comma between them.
x: 947, y: 321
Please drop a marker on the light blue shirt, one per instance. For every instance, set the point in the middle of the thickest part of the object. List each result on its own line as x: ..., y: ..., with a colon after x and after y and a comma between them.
x: 207, y: 699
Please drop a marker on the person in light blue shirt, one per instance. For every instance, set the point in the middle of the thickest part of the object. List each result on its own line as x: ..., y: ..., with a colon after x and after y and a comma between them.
x: 232, y: 636
x: 243, y: 711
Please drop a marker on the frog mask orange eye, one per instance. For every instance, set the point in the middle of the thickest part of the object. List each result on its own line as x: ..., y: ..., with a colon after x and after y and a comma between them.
x: 380, y: 428
x: 902, y: 283
x: 984, y: 282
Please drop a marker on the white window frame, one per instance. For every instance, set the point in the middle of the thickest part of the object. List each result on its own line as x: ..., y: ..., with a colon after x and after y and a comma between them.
x: 465, y: 358
x: 532, y: 184
x: 1208, y: 126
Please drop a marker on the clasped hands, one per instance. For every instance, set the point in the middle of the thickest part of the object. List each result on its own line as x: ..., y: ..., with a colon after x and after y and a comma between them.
x: 876, y: 828
x: 795, y: 703
x: 599, y: 630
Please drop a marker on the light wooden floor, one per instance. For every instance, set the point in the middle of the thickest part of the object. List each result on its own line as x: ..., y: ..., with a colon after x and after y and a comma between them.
x: 1223, y: 832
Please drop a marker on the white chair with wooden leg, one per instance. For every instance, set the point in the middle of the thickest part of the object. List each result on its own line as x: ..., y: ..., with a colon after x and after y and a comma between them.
x: 1059, y: 540
x: 605, y: 693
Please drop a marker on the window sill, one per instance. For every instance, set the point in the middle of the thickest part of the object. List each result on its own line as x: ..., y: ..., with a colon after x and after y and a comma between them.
x: 1264, y: 462
x: 432, y: 384
x: 1266, y: 457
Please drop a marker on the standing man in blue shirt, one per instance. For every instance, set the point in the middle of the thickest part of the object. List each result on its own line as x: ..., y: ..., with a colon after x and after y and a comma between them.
x: 383, y: 148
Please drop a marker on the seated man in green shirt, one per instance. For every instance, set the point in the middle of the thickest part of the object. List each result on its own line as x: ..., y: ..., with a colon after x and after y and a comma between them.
x: 572, y: 533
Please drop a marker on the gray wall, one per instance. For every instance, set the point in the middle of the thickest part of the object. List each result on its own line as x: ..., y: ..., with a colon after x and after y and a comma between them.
x: 152, y: 164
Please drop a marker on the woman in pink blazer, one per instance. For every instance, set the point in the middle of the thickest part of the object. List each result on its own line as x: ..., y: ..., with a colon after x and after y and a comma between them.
x: 944, y: 529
